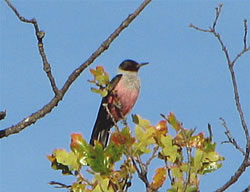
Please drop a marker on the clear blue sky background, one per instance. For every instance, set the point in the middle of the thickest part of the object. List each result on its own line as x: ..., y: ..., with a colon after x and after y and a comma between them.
x: 187, y: 75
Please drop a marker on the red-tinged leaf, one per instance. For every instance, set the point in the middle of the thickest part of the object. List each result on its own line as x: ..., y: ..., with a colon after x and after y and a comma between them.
x: 123, y: 137
x: 77, y: 141
x: 174, y: 122
x: 100, y: 69
x: 159, y: 178
x: 118, y: 138
x: 93, y: 72
x: 180, y: 140
x: 197, y: 141
x: 162, y: 128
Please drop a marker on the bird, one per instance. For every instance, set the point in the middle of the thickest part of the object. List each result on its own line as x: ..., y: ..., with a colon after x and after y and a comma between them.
x: 122, y: 95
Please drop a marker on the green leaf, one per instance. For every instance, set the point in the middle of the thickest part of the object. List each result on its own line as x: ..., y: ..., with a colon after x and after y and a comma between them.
x: 168, y: 148
x: 62, y: 160
x: 174, y: 122
x: 198, y: 159
x: 113, y: 153
x: 211, y: 167
x: 144, y: 139
x: 103, y: 184
x: 80, y: 147
x: 97, y: 161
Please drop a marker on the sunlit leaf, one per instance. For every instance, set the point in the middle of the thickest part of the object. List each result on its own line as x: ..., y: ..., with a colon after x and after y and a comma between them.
x: 97, y: 160
x: 211, y: 167
x: 78, y: 187
x: 113, y: 153
x: 197, y: 141
x: 62, y: 160
x: 177, y: 172
x: 102, y: 92
x: 159, y: 178
x: 144, y: 139
x: 168, y: 148
x: 162, y: 127
x: 174, y: 122
x: 198, y: 159
x: 137, y: 119
x: 103, y: 184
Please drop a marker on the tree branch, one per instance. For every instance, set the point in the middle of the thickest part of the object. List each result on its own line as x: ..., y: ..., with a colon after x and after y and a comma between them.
x: 39, y: 35
x: 230, y: 137
x: 230, y: 64
x: 59, y: 94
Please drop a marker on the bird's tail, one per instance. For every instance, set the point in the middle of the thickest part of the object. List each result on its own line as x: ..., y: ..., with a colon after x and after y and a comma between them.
x: 101, y: 135
x: 101, y: 128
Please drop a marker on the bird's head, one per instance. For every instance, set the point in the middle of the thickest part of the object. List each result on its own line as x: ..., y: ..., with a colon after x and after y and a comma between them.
x: 130, y: 65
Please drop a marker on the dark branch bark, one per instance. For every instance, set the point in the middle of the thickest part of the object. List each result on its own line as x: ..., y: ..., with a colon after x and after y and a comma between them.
x: 2, y: 115
x: 59, y: 93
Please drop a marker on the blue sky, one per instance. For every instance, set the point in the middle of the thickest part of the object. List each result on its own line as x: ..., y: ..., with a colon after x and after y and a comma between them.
x: 187, y: 75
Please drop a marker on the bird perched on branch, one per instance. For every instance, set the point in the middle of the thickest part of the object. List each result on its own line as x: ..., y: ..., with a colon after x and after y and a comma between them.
x: 122, y: 94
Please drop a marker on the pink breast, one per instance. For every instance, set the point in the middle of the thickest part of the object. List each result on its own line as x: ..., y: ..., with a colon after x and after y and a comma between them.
x: 126, y: 96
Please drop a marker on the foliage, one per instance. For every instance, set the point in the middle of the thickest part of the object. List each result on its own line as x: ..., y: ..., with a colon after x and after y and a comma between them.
x: 183, y: 156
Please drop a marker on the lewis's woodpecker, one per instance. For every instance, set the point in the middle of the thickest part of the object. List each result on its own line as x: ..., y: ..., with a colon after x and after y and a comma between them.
x: 124, y: 89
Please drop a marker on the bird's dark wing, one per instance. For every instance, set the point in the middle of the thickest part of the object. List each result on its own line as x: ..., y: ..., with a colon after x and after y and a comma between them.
x: 103, y: 122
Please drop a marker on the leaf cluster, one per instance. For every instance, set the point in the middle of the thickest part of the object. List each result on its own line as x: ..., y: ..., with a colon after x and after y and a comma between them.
x: 182, y: 169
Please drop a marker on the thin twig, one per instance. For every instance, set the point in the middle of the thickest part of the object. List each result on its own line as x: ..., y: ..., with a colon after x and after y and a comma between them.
x: 39, y: 35
x: 218, y: 12
x: 59, y: 185
x: 154, y: 155
x: 74, y: 75
x: 245, y: 35
x: 230, y: 64
x: 111, y: 116
x: 230, y: 137
x: 141, y: 174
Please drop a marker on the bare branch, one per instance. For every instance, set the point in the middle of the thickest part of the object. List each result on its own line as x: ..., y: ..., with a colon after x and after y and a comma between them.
x: 39, y: 35
x: 218, y: 12
x: 230, y: 137
x: 199, y: 29
x: 74, y: 75
x: 245, y: 35
x: 154, y: 155
x: 142, y: 174
x: 230, y: 64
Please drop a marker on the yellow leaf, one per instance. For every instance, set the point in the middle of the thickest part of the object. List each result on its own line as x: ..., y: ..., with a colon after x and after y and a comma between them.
x: 174, y: 122
x: 159, y: 178
x: 137, y: 119
x: 103, y: 184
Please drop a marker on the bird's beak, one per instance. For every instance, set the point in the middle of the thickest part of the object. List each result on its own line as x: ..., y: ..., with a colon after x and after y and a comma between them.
x: 143, y: 64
